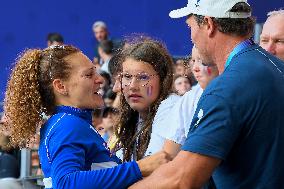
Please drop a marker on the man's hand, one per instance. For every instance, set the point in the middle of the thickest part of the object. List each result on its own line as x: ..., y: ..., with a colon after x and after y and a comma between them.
x: 186, y: 170
x: 148, y: 164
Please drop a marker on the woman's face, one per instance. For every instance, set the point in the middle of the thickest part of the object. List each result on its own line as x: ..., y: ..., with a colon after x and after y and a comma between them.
x: 203, y: 74
x: 83, y: 84
x: 140, y: 84
x: 182, y: 85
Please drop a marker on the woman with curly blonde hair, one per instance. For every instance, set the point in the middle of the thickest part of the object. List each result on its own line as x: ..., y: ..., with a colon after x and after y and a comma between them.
x: 62, y: 82
x: 146, y: 81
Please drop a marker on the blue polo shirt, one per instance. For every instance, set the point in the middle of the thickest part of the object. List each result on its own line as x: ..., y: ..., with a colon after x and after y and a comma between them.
x: 240, y: 120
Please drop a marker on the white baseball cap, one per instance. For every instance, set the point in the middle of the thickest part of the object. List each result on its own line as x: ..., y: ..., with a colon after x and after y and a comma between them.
x: 212, y: 8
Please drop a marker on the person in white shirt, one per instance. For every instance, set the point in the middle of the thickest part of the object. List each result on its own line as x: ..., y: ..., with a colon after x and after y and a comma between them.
x: 175, y: 124
x: 146, y: 81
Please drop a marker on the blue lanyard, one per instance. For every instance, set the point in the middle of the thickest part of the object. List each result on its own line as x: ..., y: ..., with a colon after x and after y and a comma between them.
x: 243, y: 45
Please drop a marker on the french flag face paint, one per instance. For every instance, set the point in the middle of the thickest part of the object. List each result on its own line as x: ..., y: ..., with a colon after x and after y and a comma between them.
x: 149, y: 90
x: 209, y: 71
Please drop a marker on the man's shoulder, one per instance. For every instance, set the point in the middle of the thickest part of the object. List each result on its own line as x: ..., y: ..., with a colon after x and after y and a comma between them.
x: 248, y: 76
x: 255, y: 57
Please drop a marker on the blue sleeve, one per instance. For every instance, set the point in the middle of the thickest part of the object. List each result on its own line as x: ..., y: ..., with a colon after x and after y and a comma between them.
x: 68, y: 167
x: 118, y: 177
x: 214, y: 128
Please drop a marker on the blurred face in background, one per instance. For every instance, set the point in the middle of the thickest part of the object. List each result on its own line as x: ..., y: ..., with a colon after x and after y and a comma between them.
x: 110, y: 120
x: 108, y: 102
x: 182, y: 85
x: 101, y: 33
x: 203, y: 74
x: 272, y: 36
x: 179, y: 67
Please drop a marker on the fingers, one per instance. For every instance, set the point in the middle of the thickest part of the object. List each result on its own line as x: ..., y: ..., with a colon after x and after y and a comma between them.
x: 150, y: 163
x: 164, y: 157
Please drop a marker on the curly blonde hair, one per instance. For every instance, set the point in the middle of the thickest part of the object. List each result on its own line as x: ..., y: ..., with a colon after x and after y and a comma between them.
x: 155, y: 54
x: 29, y: 91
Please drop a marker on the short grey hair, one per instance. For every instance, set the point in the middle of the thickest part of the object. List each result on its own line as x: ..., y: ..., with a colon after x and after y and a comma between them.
x: 275, y: 13
x: 99, y: 24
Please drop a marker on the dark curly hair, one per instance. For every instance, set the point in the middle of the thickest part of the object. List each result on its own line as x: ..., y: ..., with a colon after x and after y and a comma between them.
x: 155, y: 54
x: 29, y: 91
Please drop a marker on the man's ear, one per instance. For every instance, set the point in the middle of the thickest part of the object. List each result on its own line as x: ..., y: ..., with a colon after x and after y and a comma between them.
x: 60, y: 87
x: 210, y: 26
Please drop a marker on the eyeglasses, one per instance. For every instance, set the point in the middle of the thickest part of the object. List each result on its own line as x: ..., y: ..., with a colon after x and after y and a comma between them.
x: 141, y: 78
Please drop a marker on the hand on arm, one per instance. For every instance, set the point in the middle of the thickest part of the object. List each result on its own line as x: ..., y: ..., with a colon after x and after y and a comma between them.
x: 148, y: 164
x: 171, y: 148
x: 187, y: 171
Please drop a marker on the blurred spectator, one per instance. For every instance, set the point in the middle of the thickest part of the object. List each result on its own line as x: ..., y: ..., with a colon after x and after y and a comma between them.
x: 182, y: 67
x: 114, y: 66
x: 105, y: 51
x: 106, y: 84
x: 109, y: 97
x: 97, y: 120
x: 179, y: 67
x: 272, y: 36
x: 110, y: 119
x: 100, y: 31
x: 9, y: 167
x: 54, y: 39
x: 4, y: 130
x: 181, y: 84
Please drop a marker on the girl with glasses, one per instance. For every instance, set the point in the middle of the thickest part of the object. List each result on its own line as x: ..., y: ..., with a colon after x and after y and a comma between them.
x: 146, y: 83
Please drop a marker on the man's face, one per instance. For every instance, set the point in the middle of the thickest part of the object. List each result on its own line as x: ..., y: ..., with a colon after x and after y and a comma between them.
x: 100, y: 33
x: 195, y: 29
x: 272, y: 36
x: 199, y: 38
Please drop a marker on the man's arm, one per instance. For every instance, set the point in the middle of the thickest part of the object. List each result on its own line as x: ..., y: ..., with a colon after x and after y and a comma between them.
x: 187, y: 171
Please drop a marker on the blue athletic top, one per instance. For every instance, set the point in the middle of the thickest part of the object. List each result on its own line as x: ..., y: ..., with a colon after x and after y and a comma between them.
x: 74, y: 155
x: 240, y: 120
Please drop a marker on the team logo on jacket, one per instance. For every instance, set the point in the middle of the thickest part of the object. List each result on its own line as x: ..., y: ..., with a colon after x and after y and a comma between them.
x: 197, y: 3
x: 199, y: 116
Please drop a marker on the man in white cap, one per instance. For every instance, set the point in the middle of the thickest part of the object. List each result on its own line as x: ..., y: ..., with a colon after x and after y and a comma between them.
x: 236, y: 135
x: 272, y: 36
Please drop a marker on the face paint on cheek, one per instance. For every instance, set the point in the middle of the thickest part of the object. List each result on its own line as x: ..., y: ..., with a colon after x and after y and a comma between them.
x: 149, y: 90
x: 209, y: 71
